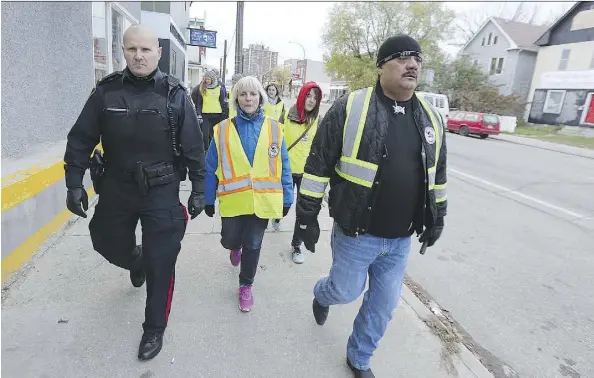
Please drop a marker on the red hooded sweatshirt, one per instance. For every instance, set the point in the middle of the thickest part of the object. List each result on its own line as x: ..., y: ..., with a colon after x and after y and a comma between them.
x: 303, y: 95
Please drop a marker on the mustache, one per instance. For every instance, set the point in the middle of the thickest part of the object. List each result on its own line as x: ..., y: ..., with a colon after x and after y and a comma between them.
x: 410, y: 74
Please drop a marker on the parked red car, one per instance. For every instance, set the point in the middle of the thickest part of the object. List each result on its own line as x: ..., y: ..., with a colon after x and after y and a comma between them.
x: 466, y: 123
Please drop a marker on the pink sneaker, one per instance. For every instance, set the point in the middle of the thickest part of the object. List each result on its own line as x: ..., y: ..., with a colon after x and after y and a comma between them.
x: 235, y: 256
x: 246, y: 299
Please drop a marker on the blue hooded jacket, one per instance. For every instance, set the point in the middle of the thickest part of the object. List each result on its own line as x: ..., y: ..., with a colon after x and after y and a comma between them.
x: 249, y: 132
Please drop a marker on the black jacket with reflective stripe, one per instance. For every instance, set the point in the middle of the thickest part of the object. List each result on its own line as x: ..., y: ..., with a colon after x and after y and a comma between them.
x: 350, y: 204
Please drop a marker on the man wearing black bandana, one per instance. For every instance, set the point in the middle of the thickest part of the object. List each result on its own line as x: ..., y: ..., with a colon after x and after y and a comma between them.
x: 150, y: 135
x: 382, y: 150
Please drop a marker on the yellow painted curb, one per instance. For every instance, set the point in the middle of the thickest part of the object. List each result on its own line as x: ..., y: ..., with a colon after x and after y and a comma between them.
x: 27, y: 249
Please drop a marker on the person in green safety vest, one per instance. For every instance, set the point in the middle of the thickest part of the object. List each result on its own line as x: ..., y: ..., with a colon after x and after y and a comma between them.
x: 383, y: 151
x: 275, y: 106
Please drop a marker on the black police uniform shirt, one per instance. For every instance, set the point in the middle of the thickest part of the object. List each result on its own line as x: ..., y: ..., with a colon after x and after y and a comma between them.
x: 130, y: 101
x: 401, y: 175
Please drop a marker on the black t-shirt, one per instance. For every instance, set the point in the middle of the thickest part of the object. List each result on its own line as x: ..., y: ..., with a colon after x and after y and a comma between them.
x: 401, y: 176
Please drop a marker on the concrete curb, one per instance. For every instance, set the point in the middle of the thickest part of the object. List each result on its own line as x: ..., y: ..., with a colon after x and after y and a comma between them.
x: 465, y: 355
x: 549, y: 146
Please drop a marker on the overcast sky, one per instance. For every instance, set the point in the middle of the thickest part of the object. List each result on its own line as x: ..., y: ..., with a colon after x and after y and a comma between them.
x: 274, y: 24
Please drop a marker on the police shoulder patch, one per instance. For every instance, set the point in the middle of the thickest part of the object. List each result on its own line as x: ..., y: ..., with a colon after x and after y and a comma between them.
x: 112, y: 76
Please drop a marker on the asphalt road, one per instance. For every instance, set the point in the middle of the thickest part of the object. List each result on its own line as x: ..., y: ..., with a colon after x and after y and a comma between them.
x: 514, y: 265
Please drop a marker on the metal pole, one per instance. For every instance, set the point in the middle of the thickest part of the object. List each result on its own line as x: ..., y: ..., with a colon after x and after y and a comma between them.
x: 224, y: 63
x: 239, y: 38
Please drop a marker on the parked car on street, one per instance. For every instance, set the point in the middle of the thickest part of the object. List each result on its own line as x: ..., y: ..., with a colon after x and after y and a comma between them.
x: 440, y: 101
x: 473, y: 123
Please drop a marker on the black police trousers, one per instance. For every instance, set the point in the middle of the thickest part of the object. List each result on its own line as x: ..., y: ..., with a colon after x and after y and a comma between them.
x: 163, y: 219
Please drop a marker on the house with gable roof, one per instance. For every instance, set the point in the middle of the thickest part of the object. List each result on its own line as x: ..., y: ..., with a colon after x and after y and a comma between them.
x: 562, y: 91
x: 505, y: 51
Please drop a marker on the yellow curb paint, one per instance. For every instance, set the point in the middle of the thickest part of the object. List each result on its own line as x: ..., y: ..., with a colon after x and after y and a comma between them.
x: 29, y: 182
x: 23, y: 253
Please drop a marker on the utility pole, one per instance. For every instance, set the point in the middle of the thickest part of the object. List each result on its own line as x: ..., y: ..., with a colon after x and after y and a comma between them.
x: 239, y: 38
x: 220, y: 65
x: 224, y: 63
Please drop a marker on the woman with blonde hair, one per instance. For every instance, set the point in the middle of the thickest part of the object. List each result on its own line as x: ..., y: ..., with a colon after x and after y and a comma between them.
x: 247, y: 169
x: 210, y: 99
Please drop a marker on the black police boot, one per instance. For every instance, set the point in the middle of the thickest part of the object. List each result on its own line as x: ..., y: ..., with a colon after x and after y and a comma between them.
x: 150, y: 345
x: 137, y: 276
x: 320, y: 312
x: 360, y: 373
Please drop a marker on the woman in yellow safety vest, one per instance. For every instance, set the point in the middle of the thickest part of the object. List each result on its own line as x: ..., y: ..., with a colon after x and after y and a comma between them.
x: 211, y: 104
x: 300, y: 127
x: 247, y: 169
x: 274, y: 107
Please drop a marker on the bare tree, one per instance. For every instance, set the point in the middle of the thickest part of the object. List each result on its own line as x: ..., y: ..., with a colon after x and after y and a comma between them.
x: 469, y: 22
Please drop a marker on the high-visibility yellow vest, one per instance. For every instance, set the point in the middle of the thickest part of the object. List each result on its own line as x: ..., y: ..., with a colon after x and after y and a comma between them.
x: 210, y: 101
x: 232, y: 109
x: 299, y: 153
x: 362, y: 172
x: 245, y: 189
x: 273, y: 111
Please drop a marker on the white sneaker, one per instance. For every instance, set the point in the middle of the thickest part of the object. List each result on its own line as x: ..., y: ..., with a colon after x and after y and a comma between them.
x: 298, y: 256
x: 276, y: 225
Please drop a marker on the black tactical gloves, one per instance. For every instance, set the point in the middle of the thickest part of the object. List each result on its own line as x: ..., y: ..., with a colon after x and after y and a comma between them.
x: 77, y: 201
x: 431, y: 235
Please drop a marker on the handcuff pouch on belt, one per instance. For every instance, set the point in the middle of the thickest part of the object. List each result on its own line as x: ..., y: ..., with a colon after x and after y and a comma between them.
x: 153, y: 175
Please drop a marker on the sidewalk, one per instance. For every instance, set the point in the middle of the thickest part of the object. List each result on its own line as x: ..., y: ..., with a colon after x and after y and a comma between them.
x: 570, y: 150
x: 75, y: 315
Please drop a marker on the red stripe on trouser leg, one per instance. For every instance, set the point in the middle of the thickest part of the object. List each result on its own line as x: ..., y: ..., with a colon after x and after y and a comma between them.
x: 169, y: 298
x: 185, y: 213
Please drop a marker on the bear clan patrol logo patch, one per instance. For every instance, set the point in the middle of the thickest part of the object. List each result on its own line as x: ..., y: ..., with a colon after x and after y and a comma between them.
x: 430, y: 135
x: 273, y: 150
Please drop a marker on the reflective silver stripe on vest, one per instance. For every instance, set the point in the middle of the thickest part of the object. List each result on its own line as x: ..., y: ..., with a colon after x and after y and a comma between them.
x: 352, y: 126
x: 225, y: 164
x: 260, y: 185
x: 239, y: 184
x: 440, y: 193
x: 431, y: 179
x: 313, y: 186
x: 271, y: 160
x: 356, y: 171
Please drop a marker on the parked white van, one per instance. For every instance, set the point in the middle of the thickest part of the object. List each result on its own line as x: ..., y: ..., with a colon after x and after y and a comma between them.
x: 440, y: 101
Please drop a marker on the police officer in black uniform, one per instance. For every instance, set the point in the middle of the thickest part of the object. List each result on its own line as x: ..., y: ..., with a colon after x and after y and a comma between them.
x: 150, y: 135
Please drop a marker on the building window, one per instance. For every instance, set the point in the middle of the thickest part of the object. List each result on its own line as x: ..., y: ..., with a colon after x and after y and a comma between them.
x: 499, y: 66
x: 495, y: 40
x: 99, y: 40
x: 117, y: 35
x: 564, y: 59
x: 554, y: 102
x: 489, y: 40
x: 475, y: 62
x: 483, y: 42
x: 173, y: 64
x: 155, y: 6
x: 493, y: 66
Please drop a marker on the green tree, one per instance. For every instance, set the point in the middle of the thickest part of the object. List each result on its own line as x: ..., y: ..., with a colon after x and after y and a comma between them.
x: 354, y: 31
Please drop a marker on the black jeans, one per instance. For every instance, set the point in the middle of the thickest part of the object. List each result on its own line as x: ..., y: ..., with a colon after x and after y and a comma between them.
x: 163, y: 219
x: 209, y: 121
x: 296, y: 242
x: 245, y: 232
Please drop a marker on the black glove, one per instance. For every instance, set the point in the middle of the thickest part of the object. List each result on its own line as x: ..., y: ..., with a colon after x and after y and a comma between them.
x: 209, y: 210
x: 286, y: 211
x: 310, y: 234
x: 431, y: 235
x: 195, y: 204
x: 77, y: 201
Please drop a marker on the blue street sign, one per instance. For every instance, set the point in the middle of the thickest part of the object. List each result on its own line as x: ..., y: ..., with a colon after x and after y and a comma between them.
x: 203, y: 38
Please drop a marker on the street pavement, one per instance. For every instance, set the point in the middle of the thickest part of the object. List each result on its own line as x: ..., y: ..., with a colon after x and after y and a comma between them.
x: 72, y: 314
x: 514, y: 265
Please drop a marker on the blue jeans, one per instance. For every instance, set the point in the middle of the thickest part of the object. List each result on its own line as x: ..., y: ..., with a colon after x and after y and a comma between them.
x: 384, y: 260
x: 245, y: 232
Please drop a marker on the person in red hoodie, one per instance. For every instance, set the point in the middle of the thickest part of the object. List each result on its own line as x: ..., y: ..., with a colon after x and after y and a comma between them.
x: 300, y: 126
